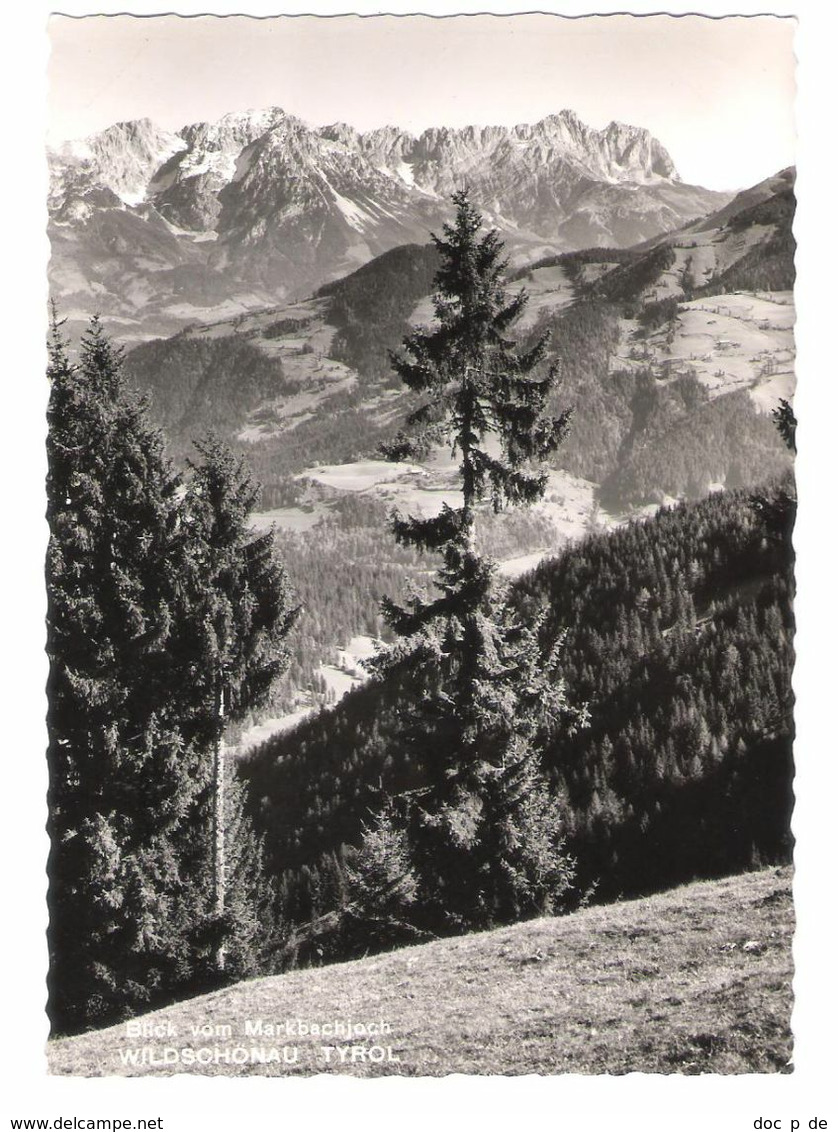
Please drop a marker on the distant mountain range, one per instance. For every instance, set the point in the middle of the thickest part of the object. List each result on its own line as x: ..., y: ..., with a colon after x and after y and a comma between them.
x: 158, y: 230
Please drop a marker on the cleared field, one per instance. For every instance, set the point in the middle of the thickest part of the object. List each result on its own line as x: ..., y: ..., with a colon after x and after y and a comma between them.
x: 549, y: 289
x: 289, y: 518
x: 739, y: 341
x: 362, y: 475
x: 424, y: 489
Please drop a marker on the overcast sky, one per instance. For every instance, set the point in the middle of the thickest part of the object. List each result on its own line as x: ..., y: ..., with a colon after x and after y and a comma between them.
x: 718, y: 93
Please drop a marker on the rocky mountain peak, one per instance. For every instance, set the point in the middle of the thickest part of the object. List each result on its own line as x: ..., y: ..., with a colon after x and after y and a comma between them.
x: 122, y: 158
x: 631, y: 147
x: 232, y: 131
x: 566, y: 122
x: 186, y: 188
x: 342, y: 133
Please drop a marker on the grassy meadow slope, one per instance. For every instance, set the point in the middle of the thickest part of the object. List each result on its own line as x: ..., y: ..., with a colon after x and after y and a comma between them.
x: 695, y: 980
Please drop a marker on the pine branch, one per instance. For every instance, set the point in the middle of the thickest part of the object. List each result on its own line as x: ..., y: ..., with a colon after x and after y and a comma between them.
x: 428, y: 534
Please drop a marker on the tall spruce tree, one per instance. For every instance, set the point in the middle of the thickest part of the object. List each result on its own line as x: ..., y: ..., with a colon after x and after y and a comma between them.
x: 132, y: 917
x: 121, y: 780
x: 240, y: 614
x: 483, y: 834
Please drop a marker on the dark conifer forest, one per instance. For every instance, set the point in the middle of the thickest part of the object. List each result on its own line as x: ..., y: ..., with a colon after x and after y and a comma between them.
x: 679, y: 640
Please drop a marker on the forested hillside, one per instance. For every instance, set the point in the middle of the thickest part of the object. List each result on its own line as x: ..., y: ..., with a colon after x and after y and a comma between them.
x: 679, y: 639
x: 662, y: 409
x: 197, y: 384
x: 641, y: 434
x: 371, y: 308
x: 769, y: 265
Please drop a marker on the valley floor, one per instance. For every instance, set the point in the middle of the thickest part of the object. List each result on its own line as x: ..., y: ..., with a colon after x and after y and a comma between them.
x: 695, y: 980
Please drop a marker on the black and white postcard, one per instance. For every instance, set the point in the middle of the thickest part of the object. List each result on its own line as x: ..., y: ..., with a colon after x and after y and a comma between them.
x: 424, y: 605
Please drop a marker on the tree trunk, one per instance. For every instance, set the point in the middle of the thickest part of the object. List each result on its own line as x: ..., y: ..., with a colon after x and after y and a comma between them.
x: 218, y: 813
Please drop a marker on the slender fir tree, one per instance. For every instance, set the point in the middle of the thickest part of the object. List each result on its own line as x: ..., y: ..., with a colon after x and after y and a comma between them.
x: 240, y: 613
x: 483, y: 833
